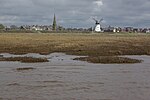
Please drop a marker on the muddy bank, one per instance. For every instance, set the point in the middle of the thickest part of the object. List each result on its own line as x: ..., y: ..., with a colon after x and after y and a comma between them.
x: 24, y: 59
x: 109, y: 60
x: 37, y: 58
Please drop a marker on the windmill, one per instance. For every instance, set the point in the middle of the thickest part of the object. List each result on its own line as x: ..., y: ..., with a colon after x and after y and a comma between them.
x: 97, y: 27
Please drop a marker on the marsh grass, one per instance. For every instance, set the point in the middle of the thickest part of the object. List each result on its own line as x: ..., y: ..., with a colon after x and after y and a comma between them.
x: 24, y: 59
x: 75, y: 44
x: 109, y: 60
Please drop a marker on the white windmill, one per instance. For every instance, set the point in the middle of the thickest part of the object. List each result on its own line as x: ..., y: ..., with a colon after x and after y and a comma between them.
x: 97, y: 27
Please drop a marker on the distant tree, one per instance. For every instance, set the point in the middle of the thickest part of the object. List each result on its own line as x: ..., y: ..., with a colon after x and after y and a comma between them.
x: 60, y: 28
x: 54, y: 23
x: 22, y: 28
x: 2, y: 27
x: 90, y: 29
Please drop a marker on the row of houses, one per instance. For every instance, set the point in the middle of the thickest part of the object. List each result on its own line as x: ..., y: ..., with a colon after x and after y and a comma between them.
x: 126, y: 29
x: 30, y: 27
x: 46, y: 28
x: 50, y: 28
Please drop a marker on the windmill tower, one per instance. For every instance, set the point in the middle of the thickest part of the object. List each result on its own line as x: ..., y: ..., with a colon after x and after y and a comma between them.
x: 97, y: 27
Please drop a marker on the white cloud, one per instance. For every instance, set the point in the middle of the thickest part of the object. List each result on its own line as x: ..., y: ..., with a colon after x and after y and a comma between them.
x: 98, y: 3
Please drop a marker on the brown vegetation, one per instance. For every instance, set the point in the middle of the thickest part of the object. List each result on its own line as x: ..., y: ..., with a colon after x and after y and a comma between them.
x: 109, y: 60
x: 76, y: 44
x: 24, y: 59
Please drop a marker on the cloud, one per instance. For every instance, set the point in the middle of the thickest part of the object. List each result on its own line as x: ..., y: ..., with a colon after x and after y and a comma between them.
x: 99, y: 3
x: 76, y: 13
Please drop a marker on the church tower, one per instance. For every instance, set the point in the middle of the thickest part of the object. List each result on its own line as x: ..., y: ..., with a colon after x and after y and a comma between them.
x: 54, y: 23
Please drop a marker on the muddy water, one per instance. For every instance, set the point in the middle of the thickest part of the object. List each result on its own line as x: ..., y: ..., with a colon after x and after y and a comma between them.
x: 65, y: 79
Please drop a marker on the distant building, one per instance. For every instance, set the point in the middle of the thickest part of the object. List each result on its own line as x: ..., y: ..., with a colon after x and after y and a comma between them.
x: 148, y: 31
x: 135, y: 30
x: 54, y: 23
x: 108, y: 29
x: 129, y: 29
x: 36, y: 28
x: 112, y: 29
x: 40, y: 28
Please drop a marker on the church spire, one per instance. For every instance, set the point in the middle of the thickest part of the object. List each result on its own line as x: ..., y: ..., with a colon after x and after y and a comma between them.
x: 54, y: 23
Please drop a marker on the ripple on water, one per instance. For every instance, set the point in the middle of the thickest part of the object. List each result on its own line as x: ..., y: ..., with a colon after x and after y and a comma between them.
x: 63, y: 79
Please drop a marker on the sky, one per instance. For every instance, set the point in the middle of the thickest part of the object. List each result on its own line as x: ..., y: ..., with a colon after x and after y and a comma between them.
x: 76, y: 13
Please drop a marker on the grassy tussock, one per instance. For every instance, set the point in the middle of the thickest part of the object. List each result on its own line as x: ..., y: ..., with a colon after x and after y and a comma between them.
x: 109, y: 60
x: 24, y: 59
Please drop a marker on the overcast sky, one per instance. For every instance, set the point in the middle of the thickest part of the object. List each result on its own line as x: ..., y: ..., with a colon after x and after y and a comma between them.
x: 76, y: 13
